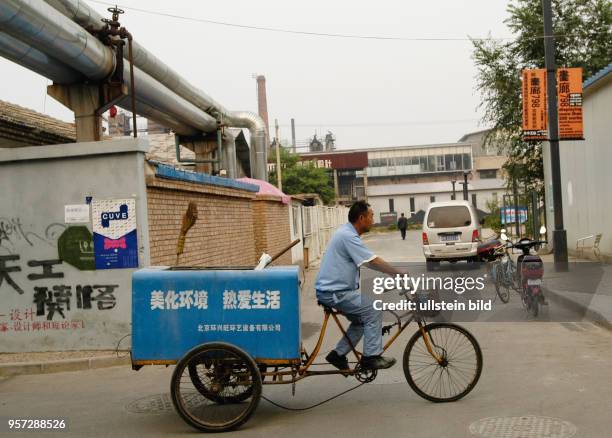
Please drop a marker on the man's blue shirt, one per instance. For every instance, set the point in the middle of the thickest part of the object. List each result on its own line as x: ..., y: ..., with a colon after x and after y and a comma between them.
x: 344, y: 254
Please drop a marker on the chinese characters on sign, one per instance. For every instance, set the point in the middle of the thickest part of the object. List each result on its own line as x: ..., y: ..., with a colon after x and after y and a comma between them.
x: 245, y: 299
x: 569, y: 92
x: 232, y: 300
x: 170, y: 300
x: 534, y: 105
x: 22, y: 320
x: 239, y: 327
x: 569, y: 81
x: 50, y: 300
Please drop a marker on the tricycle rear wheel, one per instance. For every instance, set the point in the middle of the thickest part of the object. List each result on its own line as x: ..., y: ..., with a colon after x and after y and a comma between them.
x: 225, y: 391
x: 197, y: 371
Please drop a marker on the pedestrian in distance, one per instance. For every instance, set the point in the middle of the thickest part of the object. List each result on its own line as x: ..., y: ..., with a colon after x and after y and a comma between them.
x: 402, y: 224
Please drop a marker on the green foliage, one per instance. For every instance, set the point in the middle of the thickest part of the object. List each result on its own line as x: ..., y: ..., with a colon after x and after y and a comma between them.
x: 302, y: 177
x: 583, y: 30
x: 493, y: 220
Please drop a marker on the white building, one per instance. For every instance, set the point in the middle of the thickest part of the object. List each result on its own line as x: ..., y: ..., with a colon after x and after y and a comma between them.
x: 586, y: 169
x: 410, y: 198
x: 406, y: 179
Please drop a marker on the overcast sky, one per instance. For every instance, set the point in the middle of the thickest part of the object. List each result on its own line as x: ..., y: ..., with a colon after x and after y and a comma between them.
x: 369, y: 93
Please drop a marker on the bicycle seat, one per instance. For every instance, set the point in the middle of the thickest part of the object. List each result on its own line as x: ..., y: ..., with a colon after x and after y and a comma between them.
x: 328, y: 309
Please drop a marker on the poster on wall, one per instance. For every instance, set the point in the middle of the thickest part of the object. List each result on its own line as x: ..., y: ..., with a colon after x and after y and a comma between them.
x: 114, y: 227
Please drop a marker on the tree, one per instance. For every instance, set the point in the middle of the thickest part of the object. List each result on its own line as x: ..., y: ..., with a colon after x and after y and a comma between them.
x: 493, y: 219
x: 583, y: 37
x: 302, y: 176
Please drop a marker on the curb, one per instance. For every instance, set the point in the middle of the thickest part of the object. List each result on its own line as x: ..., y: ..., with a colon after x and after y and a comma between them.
x: 591, y: 314
x: 58, y: 366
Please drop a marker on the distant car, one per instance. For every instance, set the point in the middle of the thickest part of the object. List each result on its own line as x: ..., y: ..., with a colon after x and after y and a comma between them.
x: 451, y: 232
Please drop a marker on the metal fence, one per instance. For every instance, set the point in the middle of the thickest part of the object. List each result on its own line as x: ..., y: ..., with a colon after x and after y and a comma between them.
x: 319, y: 223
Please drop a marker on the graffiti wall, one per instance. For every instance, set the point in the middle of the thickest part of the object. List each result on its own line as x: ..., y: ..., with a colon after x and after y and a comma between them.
x: 73, y: 228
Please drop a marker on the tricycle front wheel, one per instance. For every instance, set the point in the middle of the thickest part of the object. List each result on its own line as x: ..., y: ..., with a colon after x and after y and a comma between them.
x: 458, y: 371
x: 216, y: 387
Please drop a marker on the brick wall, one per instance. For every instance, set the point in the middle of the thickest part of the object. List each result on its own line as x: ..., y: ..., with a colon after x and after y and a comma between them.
x: 233, y: 227
x: 271, y: 226
x: 222, y: 234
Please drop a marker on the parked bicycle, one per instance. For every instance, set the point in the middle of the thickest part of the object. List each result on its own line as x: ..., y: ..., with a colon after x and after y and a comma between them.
x: 524, y: 276
x: 500, y: 265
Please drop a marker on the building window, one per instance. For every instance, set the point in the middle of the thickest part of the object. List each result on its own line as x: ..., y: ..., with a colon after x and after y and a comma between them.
x: 391, y: 205
x: 474, y: 200
x: 494, y: 196
x: 412, y: 209
x: 432, y: 199
x: 488, y: 173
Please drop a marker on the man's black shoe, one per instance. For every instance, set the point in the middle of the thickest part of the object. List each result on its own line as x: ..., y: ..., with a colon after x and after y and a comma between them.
x: 340, y: 362
x: 377, y: 362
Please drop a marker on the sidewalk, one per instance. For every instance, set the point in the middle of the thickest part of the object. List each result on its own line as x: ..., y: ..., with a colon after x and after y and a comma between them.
x: 586, y: 287
x: 12, y: 364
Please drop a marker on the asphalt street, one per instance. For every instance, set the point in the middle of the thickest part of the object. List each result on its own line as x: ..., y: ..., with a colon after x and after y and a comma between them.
x: 540, y: 379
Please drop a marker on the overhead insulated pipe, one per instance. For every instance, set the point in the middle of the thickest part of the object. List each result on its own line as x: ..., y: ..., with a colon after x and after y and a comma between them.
x: 82, y: 14
x: 49, y: 67
x: 37, y: 61
x: 37, y: 24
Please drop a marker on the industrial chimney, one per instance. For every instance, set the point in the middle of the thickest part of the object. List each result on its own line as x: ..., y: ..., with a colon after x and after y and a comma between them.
x: 262, y: 102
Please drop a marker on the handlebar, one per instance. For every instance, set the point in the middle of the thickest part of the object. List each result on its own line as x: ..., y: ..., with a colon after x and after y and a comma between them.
x: 525, y: 243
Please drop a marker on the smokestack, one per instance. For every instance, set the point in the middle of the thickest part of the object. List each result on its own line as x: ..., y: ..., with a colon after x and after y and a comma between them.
x: 262, y: 102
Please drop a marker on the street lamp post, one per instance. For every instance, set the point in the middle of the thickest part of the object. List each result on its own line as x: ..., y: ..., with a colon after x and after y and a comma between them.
x: 559, y: 233
x: 465, y: 185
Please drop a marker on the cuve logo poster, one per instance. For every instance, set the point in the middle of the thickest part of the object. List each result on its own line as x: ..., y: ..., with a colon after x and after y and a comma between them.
x: 114, y: 227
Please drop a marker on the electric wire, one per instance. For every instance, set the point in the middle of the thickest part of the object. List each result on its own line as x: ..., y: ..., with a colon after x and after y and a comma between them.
x: 326, y: 34
x: 119, y: 343
x: 289, y: 408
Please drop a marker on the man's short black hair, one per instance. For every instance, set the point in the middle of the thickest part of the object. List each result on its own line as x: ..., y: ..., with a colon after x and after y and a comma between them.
x: 356, y: 210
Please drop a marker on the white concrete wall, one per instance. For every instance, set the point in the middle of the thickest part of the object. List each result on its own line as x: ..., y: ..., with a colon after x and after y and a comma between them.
x: 586, y: 173
x: 380, y: 204
x: 295, y: 226
x: 37, y: 183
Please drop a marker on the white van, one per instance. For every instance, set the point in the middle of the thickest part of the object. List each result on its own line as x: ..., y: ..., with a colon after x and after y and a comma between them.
x: 451, y: 232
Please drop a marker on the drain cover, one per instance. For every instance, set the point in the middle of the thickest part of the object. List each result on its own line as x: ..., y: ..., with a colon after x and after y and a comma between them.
x: 152, y: 404
x: 529, y: 426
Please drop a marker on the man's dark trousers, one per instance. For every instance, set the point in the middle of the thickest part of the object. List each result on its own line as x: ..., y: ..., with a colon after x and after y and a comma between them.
x: 403, y: 231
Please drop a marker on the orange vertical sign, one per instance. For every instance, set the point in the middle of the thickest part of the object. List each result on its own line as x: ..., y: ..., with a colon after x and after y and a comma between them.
x: 569, y: 83
x: 534, y: 105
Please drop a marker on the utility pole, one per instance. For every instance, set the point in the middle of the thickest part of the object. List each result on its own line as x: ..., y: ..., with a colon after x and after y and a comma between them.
x: 293, y: 135
x: 559, y: 233
x: 279, y: 178
x: 517, y: 222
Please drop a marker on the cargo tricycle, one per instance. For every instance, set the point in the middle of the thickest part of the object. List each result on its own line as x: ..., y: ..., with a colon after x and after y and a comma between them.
x: 230, y: 331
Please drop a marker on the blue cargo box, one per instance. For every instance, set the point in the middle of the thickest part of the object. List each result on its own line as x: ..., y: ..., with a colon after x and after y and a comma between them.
x: 174, y: 310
